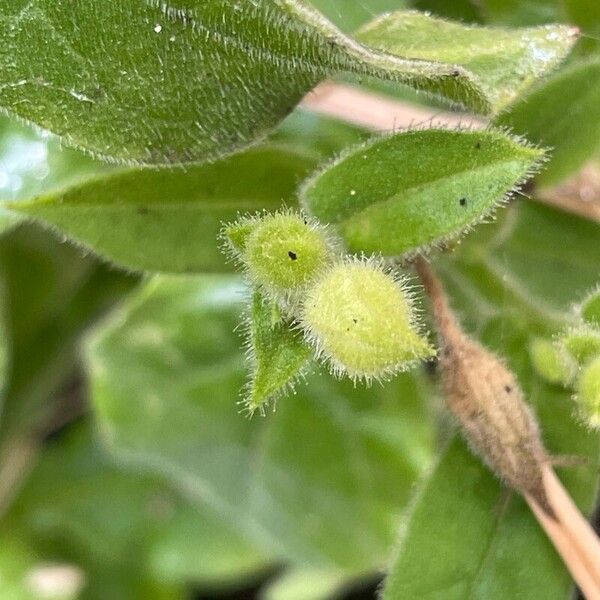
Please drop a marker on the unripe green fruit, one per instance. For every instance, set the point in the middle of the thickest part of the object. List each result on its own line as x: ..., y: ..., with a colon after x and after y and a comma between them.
x: 582, y: 343
x: 361, y: 320
x: 590, y: 308
x: 282, y: 252
x: 588, y: 392
x: 552, y: 362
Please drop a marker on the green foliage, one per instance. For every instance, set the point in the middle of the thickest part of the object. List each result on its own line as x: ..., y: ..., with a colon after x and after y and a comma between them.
x: 183, y: 491
x: 562, y: 114
x: 318, y: 483
x: 196, y: 81
x: 551, y: 361
x: 403, y: 193
x: 504, y: 62
x: 169, y: 220
x: 278, y: 354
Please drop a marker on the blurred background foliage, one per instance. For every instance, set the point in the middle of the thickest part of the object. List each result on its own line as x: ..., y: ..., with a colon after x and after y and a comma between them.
x: 179, y: 496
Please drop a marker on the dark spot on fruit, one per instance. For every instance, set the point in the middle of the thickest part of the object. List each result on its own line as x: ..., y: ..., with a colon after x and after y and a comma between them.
x: 478, y: 145
x: 463, y: 201
x: 508, y: 389
x: 292, y: 255
x: 355, y: 320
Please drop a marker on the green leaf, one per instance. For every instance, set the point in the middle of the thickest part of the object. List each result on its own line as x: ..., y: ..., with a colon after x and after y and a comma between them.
x: 146, y: 531
x: 319, y: 483
x: 403, y: 193
x: 278, y: 354
x: 198, y: 80
x: 564, y: 115
x: 169, y: 220
x: 464, y: 538
x: 503, y: 62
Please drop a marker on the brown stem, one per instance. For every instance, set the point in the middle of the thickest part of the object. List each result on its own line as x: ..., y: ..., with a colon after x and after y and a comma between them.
x: 486, y: 399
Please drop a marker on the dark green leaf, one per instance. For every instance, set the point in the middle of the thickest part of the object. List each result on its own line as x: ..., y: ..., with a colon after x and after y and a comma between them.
x: 406, y: 192
x: 152, y: 83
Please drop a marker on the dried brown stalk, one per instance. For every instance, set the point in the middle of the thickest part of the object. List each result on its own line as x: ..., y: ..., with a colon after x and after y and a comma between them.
x: 487, y: 401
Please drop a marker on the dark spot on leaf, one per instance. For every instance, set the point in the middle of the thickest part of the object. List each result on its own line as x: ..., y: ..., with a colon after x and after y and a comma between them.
x: 463, y: 201
x: 292, y: 255
x: 355, y: 320
x: 455, y: 73
x: 142, y: 210
x: 478, y: 145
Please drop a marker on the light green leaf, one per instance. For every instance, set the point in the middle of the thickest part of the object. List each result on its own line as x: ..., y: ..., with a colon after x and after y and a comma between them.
x: 277, y: 352
x: 582, y: 342
x: 405, y: 192
x: 169, y: 220
x: 477, y: 542
x: 319, y: 483
x: 503, y: 62
x: 564, y: 115
x: 552, y: 362
x: 194, y: 81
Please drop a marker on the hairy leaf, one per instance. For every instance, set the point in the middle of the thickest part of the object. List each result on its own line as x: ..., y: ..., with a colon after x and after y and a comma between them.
x: 278, y: 354
x: 478, y: 543
x: 169, y: 220
x: 564, y: 115
x: 318, y: 483
x: 189, y: 81
x: 504, y: 62
x: 405, y: 192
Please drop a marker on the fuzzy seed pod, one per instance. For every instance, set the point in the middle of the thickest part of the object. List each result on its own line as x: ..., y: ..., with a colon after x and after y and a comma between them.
x: 552, y: 362
x: 362, y: 321
x: 588, y: 392
x: 582, y: 342
x: 282, y: 252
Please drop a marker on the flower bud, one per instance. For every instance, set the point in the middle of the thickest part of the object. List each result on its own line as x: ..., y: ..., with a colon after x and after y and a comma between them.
x: 552, y: 362
x: 588, y: 392
x: 362, y: 321
x: 590, y: 308
x: 582, y: 343
x: 283, y: 252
